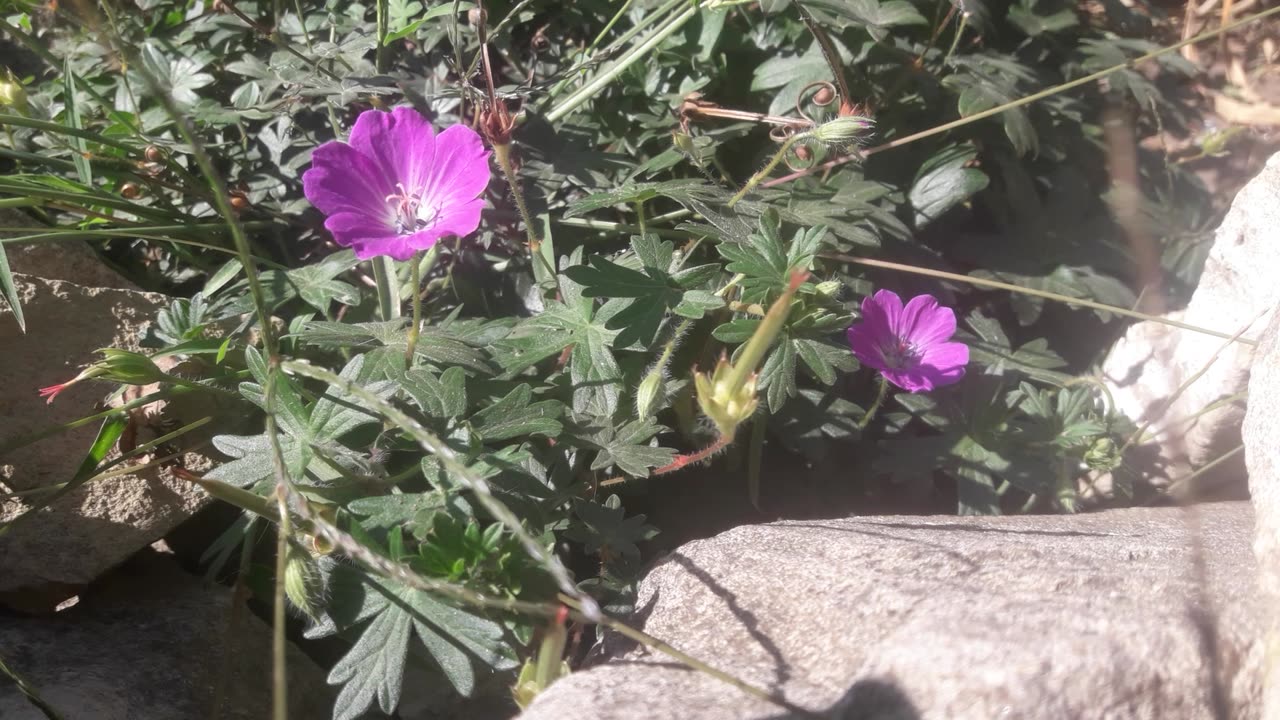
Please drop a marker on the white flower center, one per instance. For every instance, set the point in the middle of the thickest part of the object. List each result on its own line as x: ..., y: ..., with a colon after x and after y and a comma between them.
x: 411, y: 214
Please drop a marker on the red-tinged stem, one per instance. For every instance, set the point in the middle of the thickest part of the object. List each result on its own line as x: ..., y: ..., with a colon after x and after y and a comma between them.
x: 681, y: 461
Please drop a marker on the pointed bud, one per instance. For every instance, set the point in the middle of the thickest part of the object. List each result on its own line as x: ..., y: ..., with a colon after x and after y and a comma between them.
x: 650, y: 394
x: 12, y: 94
x: 130, y: 368
x: 303, y: 584
x: 843, y: 130
x: 828, y: 288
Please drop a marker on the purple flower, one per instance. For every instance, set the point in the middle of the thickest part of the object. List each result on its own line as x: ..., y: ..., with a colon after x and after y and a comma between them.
x: 396, y: 187
x: 908, y: 345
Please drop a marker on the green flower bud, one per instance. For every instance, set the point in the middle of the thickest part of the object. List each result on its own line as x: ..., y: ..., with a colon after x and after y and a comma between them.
x: 127, y: 367
x: 828, y: 288
x: 303, y: 584
x: 12, y: 94
x: 842, y: 131
x: 651, y: 392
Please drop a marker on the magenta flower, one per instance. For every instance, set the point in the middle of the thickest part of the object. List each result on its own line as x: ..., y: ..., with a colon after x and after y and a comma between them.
x: 908, y: 345
x: 396, y: 187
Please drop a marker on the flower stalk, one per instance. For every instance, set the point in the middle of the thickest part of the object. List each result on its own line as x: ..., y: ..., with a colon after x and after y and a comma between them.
x: 415, y: 273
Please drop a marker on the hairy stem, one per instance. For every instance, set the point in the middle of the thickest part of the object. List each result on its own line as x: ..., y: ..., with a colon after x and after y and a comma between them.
x: 415, y: 271
x: 997, y: 285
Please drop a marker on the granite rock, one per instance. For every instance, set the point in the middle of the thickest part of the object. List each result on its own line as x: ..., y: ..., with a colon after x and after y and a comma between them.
x: 1262, y: 453
x: 1140, y: 613
x: 47, y: 557
x: 153, y: 643
x: 1145, y: 369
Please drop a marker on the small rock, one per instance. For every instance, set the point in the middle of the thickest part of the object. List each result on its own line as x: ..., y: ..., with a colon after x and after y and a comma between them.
x: 1262, y: 453
x: 1142, y: 613
x: 46, y: 558
x: 1236, y: 290
x: 152, y: 643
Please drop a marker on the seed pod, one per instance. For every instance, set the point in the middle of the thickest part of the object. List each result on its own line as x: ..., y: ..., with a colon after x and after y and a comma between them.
x: 824, y: 96
x: 130, y: 191
x: 239, y: 202
x: 477, y: 17
x: 153, y: 154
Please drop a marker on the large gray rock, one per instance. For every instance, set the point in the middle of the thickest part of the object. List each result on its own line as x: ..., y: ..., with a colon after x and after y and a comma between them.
x: 1236, y: 291
x: 1262, y: 452
x: 45, y: 558
x: 152, y: 644
x: 1145, y: 613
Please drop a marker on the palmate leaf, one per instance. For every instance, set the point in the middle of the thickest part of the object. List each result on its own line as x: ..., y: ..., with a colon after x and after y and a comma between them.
x: 514, y: 415
x: 766, y: 260
x: 650, y: 291
x: 627, y: 447
x: 989, y: 346
x: 578, y: 322
x: 454, y: 640
x: 437, y: 343
x: 604, y: 528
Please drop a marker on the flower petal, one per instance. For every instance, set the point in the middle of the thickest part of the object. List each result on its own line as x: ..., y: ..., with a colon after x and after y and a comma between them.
x: 940, y: 364
x: 400, y: 143
x: 912, y: 379
x: 353, y: 229
x: 924, y: 322
x: 880, y: 314
x: 459, y: 219
x: 459, y: 171
x: 342, y: 180
x: 865, y: 341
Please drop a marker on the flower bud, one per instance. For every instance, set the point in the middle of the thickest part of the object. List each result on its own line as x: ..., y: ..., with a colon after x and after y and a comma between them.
x: 12, y: 94
x: 303, y: 584
x: 842, y: 130
x: 650, y: 394
x: 828, y: 288
x: 127, y: 367
x: 129, y: 191
x: 824, y: 96
x: 153, y: 154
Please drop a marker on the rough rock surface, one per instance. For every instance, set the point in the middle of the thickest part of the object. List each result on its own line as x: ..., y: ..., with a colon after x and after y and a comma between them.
x: 45, y: 558
x: 150, y: 644
x: 1236, y: 291
x: 1143, y: 613
x: 1262, y: 452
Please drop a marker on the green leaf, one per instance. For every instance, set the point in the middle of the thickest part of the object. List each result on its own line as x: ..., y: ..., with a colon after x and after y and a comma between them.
x: 1033, y: 24
x: 443, y: 397
x: 944, y: 182
x: 628, y: 447
x: 604, y: 528
x: 373, y: 669
x: 11, y: 290
x: 695, y: 304
x: 80, y: 156
x: 514, y: 415
x: 633, y: 192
